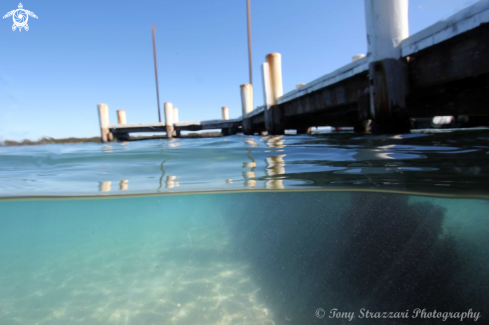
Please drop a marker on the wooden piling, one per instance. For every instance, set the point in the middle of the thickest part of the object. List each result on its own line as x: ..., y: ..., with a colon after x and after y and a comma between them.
x: 274, y: 115
x: 274, y: 61
x: 225, y: 116
x: 121, y: 117
x: 387, y: 26
x: 103, y: 114
x: 267, y: 91
x: 169, y: 119
x: 225, y: 113
x: 176, y: 133
x: 247, y: 107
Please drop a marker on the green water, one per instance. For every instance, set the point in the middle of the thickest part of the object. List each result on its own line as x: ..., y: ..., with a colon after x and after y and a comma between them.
x: 241, y: 258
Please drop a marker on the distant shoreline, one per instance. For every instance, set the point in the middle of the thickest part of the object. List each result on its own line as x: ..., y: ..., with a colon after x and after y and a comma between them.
x: 49, y: 140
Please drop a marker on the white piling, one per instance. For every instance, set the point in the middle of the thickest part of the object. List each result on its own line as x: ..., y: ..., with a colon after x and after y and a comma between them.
x: 267, y: 91
x: 103, y: 114
x: 274, y: 61
x: 121, y: 117
x: 387, y: 25
x: 225, y: 113
x: 247, y: 107
x: 169, y: 119
x: 246, y: 98
x: 175, y: 115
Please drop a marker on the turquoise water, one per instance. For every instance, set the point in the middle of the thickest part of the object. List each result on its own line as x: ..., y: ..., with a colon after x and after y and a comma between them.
x: 257, y: 230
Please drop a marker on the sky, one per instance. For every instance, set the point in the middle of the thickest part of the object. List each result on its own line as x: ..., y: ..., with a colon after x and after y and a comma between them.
x: 78, y: 54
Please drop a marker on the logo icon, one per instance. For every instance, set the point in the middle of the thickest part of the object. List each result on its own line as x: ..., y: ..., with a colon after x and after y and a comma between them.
x: 20, y: 17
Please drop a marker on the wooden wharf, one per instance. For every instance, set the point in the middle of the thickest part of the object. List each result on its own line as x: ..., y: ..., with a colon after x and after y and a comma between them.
x: 442, y: 70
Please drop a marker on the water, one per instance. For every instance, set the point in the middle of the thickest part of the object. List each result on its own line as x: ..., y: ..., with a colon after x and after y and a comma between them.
x: 257, y: 230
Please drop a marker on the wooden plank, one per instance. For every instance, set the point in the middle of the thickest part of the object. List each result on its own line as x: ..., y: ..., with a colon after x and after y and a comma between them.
x: 344, y: 93
x: 180, y: 126
x: 343, y: 73
x: 461, y: 22
x: 460, y: 57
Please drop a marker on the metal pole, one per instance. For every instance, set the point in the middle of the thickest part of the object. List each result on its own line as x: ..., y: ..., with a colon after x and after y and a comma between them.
x: 156, y: 74
x: 249, y: 39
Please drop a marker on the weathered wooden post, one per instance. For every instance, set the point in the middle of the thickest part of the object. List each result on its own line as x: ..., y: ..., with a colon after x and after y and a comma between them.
x: 225, y: 113
x: 103, y: 114
x: 175, y: 120
x: 121, y: 117
x: 169, y: 120
x: 225, y: 116
x: 230, y: 130
x: 387, y: 26
x: 247, y: 107
x: 273, y: 115
x: 267, y: 94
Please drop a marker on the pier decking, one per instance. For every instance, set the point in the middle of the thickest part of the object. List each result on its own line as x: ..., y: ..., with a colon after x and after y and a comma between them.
x: 442, y: 70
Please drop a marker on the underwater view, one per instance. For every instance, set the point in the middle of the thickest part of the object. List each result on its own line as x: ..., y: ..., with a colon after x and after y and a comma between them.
x: 321, y: 229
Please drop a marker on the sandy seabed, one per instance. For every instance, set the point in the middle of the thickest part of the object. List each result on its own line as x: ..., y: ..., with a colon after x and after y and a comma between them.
x: 185, y: 277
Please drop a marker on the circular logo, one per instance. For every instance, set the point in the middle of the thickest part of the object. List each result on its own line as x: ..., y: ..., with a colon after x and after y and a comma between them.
x: 20, y: 17
x: 320, y: 313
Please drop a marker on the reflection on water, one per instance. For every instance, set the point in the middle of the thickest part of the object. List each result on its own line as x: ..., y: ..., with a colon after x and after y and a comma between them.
x: 105, y: 186
x: 124, y: 185
x: 170, y: 182
x: 447, y: 163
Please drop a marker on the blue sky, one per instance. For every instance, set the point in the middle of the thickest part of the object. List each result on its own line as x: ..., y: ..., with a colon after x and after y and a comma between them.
x: 79, y: 54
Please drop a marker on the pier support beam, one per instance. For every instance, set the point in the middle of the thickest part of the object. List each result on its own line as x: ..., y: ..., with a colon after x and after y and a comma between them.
x: 273, y: 89
x: 169, y: 120
x: 103, y: 114
x: 387, y: 26
x: 247, y: 107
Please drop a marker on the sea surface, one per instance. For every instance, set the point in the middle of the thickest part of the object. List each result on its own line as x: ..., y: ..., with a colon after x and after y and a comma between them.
x: 309, y: 229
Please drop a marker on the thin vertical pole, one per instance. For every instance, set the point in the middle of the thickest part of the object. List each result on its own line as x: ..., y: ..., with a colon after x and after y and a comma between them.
x: 156, y: 73
x: 249, y: 39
